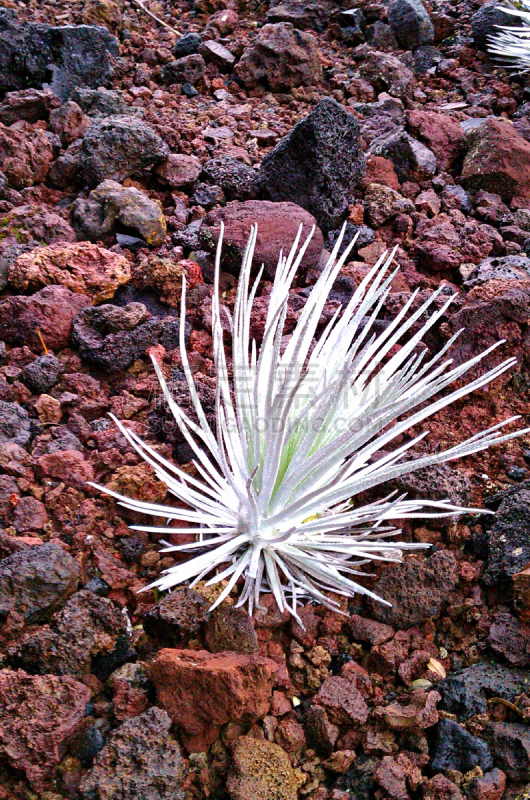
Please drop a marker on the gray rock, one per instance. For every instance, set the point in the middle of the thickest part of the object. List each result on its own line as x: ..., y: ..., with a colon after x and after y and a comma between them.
x: 455, y: 748
x: 439, y: 482
x: 141, y: 760
x: 466, y: 693
x: 237, y: 180
x: 462, y: 198
x: 352, y: 25
x: 184, y: 70
x: 37, y: 581
x: 412, y: 160
x: 42, y: 374
x: 15, y: 425
x: 207, y: 195
x: 485, y: 21
x: 365, y: 236
x: 318, y: 164
x: 502, y: 268
x: 112, y: 208
x: 119, y: 146
x: 387, y: 73
x: 303, y: 14
x: 102, y: 102
x: 410, y: 23
x: 73, y: 55
x: 384, y: 117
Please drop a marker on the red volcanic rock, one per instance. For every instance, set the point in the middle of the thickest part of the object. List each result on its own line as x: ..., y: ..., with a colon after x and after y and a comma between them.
x: 498, y: 160
x: 363, y: 629
x: 440, y: 133
x: 494, y: 311
x: 30, y: 515
x: 510, y: 639
x: 490, y: 786
x: 68, y: 466
x: 277, y: 223
x: 202, y: 691
x: 51, y: 310
x: 39, y: 715
x: 282, y: 55
x: 343, y: 701
x: 83, y: 268
x: 25, y: 154
x: 381, y: 170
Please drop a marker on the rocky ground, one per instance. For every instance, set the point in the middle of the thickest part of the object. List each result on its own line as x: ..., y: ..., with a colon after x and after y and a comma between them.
x: 123, y: 144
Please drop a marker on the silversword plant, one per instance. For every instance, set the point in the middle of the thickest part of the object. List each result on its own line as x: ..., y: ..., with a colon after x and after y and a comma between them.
x: 511, y: 45
x: 304, y: 426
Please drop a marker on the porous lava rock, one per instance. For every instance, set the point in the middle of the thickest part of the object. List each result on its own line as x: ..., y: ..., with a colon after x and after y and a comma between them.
x: 83, y: 268
x: 119, y: 146
x: 87, y: 626
x: 141, y: 759
x: 417, y: 589
x: 39, y: 716
x: 261, y: 770
x: 318, y: 164
x: 498, y: 160
x: 282, y: 57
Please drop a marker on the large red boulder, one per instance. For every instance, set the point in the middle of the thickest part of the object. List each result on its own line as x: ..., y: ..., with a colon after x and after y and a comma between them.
x: 50, y: 311
x: 202, y: 691
x: 498, y: 160
x: 278, y: 225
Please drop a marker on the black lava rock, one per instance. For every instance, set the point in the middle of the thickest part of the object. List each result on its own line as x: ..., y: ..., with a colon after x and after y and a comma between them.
x: 177, y: 616
x: 508, y: 539
x: 455, y: 748
x: 36, y: 581
x: 185, y: 70
x: 365, y: 236
x: 42, y: 374
x: 237, y: 180
x: 15, y: 425
x: 33, y: 54
x: 410, y: 23
x: 187, y: 45
x: 132, y: 549
x: 485, y: 21
x: 112, y: 337
x: 466, y: 693
x: 317, y: 165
